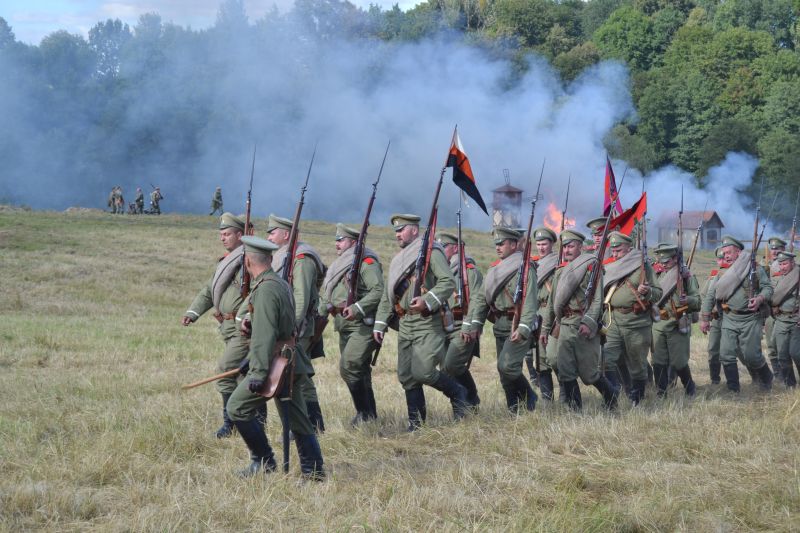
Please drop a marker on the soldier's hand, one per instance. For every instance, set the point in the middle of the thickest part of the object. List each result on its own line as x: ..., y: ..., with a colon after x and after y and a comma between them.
x: 255, y: 385
x: 417, y: 305
x: 186, y: 320
x: 516, y: 336
x: 705, y: 326
x: 543, y: 340
x: 378, y: 336
x: 643, y: 288
x: 754, y: 303
x: 245, y: 328
x: 683, y: 300
x: 685, y: 272
x: 466, y: 337
x: 244, y: 366
x: 348, y: 313
x: 584, y: 331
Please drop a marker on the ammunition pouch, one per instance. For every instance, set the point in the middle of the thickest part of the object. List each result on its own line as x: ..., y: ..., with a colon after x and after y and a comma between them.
x: 281, y: 371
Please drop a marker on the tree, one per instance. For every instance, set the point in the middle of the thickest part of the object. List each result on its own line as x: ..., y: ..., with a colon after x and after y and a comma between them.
x: 570, y: 64
x: 7, y: 38
x: 628, y: 35
x: 528, y: 19
x: 728, y: 135
x: 780, y: 158
x: 107, y: 39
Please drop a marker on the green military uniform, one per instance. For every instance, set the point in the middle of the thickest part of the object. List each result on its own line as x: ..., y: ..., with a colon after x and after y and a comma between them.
x: 628, y: 315
x: 567, y: 309
x: 421, y: 336
x: 272, y: 325
x: 709, y: 313
x: 155, y: 198
x: 545, y: 271
x: 216, y: 201
x: 139, y: 201
x: 496, y: 302
x: 671, y: 334
x: 223, y: 294
x: 774, y: 244
x: 786, y: 332
x: 307, y: 275
x: 459, y: 354
x: 741, y: 327
x: 356, y: 344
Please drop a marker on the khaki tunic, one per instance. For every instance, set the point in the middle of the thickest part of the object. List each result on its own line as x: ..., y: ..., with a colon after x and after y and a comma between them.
x: 670, y: 346
x: 786, y: 333
x: 459, y: 353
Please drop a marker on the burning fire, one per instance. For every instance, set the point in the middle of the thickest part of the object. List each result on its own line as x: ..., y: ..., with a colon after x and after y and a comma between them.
x: 552, y: 218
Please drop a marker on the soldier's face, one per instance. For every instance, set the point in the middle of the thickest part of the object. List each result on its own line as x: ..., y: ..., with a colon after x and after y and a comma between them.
x: 231, y: 238
x: 278, y: 236
x: 618, y: 252
x: 344, y: 244
x: 572, y: 250
x: 506, y: 248
x: 721, y: 262
x: 544, y: 247
x: 406, y: 235
x: 597, y: 237
x: 773, y: 252
x: 786, y: 266
x: 669, y: 264
x: 730, y: 253
x: 450, y: 250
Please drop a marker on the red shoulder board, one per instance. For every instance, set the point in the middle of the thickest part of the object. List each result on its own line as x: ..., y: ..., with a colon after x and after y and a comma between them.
x: 470, y: 265
x: 300, y: 256
x: 713, y: 273
x: 608, y: 260
x: 496, y: 262
x: 776, y: 274
x: 368, y: 260
x: 535, y: 258
x: 723, y: 267
x: 563, y: 264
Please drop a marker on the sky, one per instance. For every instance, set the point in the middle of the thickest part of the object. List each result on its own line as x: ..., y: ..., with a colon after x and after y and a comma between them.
x: 33, y: 19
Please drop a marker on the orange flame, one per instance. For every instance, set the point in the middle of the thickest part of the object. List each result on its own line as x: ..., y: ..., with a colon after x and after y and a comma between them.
x: 552, y: 218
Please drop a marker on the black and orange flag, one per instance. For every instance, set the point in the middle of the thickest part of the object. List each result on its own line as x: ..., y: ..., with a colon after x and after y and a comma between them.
x: 611, y: 200
x: 462, y: 171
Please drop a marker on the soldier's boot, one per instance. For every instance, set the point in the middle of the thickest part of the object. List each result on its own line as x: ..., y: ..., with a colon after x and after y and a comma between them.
x: 512, y: 400
x: 673, y: 377
x: 661, y: 377
x: 261, y: 457
x: 608, y: 392
x: 310, y: 454
x: 731, y: 371
x: 546, y: 384
x: 532, y: 370
x: 754, y: 377
x: 765, y: 377
x: 637, y: 394
x: 455, y: 392
x: 261, y: 413
x: 360, y: 402
x: 624, y: 377
x: 613, y: 378
x: 468, y: 382
x: 315, y: 415
x: 226, y: 429
x: 562, y: 393
x: 525, y: 394
x: 686, y: 378
x: 415, y: 401
x: 372, y: 407
x: 713, y: 371
x: 787, y: 374
x: 573, y: 394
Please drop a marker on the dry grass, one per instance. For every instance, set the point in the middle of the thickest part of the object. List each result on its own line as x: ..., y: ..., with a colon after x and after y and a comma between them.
x: 96, y: 435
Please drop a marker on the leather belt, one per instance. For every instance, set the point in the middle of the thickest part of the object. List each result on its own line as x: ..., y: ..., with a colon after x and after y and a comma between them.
x: 569, y: 313
x: 221, y: 317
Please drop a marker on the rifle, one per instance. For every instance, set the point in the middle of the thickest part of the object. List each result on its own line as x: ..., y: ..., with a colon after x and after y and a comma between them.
x: 462, y: 285
x: 794, y: 223
x: 358, y: 254
x: 753, y: 273
x: 424, y: 257
x: 524, y: 268
x: 563, y: 221
x: 697, y: 237
x: 245, y: 275
x: 228, y: 374
x: 680, y: 288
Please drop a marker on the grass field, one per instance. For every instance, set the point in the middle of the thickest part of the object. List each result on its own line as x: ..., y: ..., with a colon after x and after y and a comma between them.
x: 95, y: 433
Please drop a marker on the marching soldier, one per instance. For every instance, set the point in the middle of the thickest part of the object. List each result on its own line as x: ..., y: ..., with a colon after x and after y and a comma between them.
x: 596, y: 226
x: 546, y: 264
x: 155, y: 198
x: 216, y: 201
x: 775, y: 246
x: 421, y: 334
x: 630, y: 293
x: 271, y: 325
x: 112, y: 200
x: 710, y: 314
x: 742, y: 319
x: 462, y: 343
x: 307, y: 275
x: 495, y: 302
x: 671, y: 334
x: 576, y: 323
x: 785, y: 303
x: 119, y: 202
x: 354, y: 323
x: 139, y: 201
x: 223, y: 294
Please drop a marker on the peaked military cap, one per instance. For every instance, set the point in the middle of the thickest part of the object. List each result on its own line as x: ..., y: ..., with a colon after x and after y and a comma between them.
x: 229, y: 220
x: 775, y: 243
x: 446, y: 237
x: 257, y: 245
x: 401, y: 220
x: 728, y: 240
x: 343, y: 232
x: 501, y: 234
x: 543, y: 233
x: 596, y: 224
x: 275, y: 222
x: 665, y: 251
x: 569, y: 235
x: 785, y: 256
x: 616, y: 239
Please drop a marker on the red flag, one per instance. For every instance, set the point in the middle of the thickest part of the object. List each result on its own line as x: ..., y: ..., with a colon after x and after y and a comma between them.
x: 625, y: 222
x: 611, y: 191
x: 462, y: 171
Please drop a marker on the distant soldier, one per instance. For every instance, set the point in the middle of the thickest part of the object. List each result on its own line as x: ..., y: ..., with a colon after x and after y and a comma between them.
x: 785, y: 304
x: 630, y: 292
x: 223, y: 294
x: 271, y: 324
x: 742, y: 318
x: 421, y: 334
x: 112, y: 200
x: 308, y: 273
x: 354, y: 323
x: 495, y: 302
x: 576, y: 323
x: 155, y: 198
x: 775, y: 246
x: 546, y: 264
x: 671, y: 334
x: 119, y: 201
x: 139, y: 201
x: 462, y: 343
x: 216, y: 202
x: 710, y: 314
